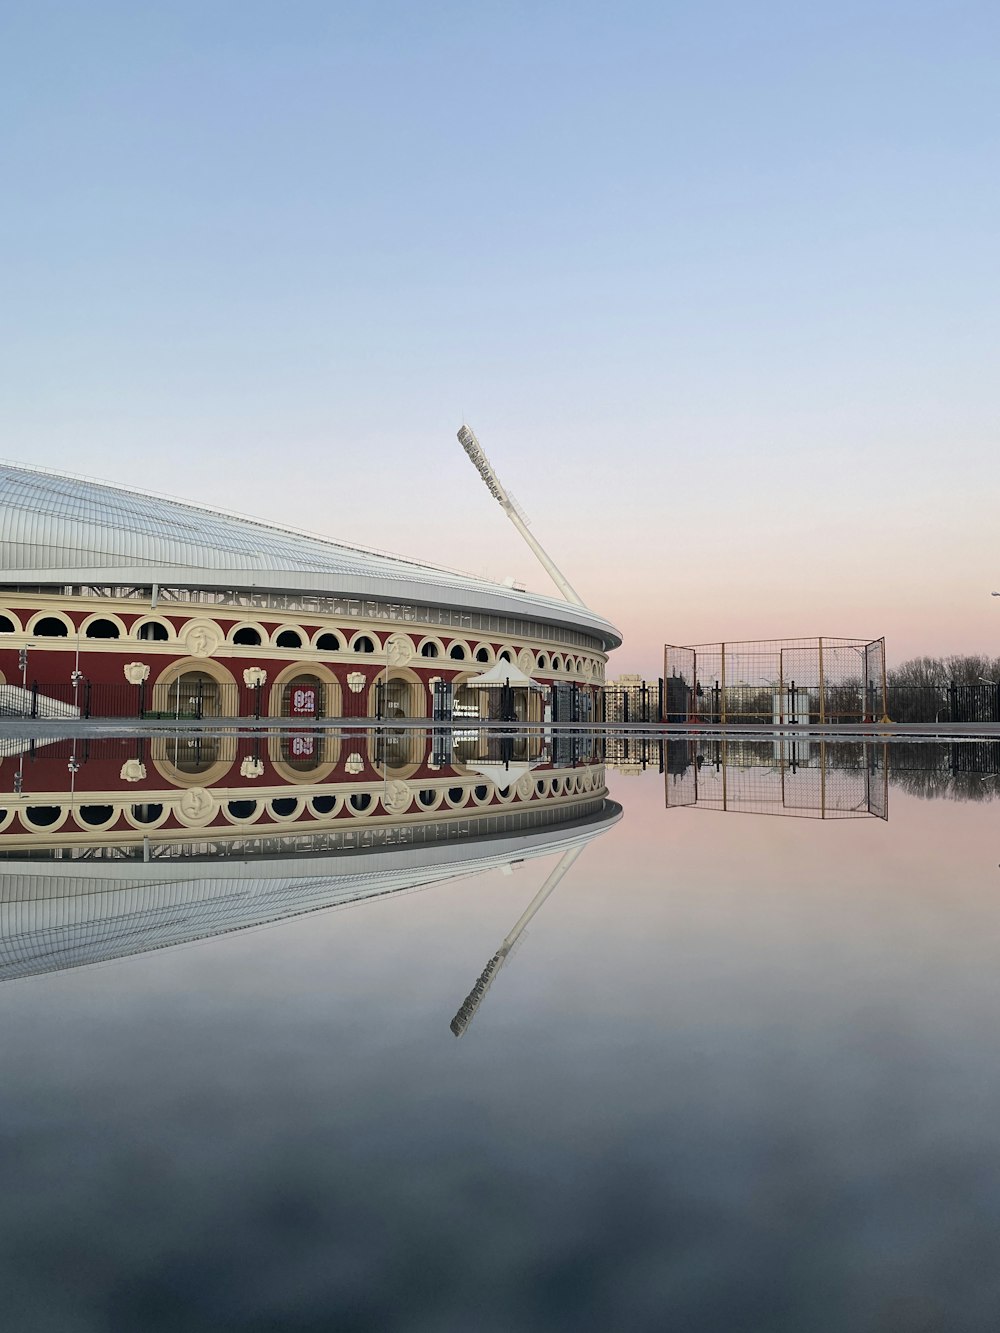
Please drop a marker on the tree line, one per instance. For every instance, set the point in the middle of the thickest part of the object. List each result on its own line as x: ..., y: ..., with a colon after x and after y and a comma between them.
x: 962, y: 668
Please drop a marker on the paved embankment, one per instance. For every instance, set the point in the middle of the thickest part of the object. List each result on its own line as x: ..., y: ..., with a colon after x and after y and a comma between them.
x: 59, y: 728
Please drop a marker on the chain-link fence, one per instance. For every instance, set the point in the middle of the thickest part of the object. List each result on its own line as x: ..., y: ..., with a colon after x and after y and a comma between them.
x: 776, y: 682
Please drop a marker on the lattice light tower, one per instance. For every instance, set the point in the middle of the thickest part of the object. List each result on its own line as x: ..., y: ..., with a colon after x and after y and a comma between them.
x: 468, y: 441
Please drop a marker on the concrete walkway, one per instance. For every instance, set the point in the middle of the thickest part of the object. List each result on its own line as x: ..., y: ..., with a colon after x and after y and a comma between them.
x: 59, y: 728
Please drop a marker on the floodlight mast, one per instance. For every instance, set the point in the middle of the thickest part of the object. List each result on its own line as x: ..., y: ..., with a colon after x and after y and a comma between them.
x: 508, y: 504
x: 467, y: 1012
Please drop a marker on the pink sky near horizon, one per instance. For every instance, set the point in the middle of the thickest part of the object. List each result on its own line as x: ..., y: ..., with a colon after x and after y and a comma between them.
x: 716, y: 287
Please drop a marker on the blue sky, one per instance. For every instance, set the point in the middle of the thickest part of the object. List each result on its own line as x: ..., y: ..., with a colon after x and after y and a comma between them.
x: 716, y: 284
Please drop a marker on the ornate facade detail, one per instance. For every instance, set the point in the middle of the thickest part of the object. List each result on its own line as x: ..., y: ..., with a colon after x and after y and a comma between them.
x: 356, y: 681
x: 526, y: 661
x: 354, y: 763
x: 400, y: 650
x: 254, y: 676
x: 196, y: 807
x: 397, y: 797
x: 136, y: 672
x: 133, y: 770
x: 251, y: 768
x: 202, y: 638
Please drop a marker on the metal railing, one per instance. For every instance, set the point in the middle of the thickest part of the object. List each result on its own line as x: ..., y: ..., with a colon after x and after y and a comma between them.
x: 650, y: 702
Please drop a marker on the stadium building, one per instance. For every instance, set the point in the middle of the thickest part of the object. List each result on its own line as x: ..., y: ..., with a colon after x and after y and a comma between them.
x: 115, y: 603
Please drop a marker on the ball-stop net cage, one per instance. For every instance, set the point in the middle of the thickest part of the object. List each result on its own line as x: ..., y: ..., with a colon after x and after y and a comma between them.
x: 775, y: 682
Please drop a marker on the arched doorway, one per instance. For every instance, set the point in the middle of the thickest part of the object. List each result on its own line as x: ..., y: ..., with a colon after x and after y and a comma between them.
x: 197, y: 688
x: 403, y: 694
x: 305, y: 691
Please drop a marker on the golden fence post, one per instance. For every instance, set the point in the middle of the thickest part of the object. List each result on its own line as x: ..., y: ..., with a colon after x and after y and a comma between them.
x: 781, y: 687
x: 822, y: 779
x: 722, y: 701
x: 822, y: 687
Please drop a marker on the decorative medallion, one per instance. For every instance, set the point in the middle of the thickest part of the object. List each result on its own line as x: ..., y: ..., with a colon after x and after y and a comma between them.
x: 526, y: 661
x: 196, y: 806
x: 397, y: 797
x: 202, y: 638
x: 354, y: 763
x: 254, y: 676
x: 133, y: 770
x: 136, y: 672
x: 400, y: 650
x: 251, y: 768
x: 525, y: 787
x: 356, y: 681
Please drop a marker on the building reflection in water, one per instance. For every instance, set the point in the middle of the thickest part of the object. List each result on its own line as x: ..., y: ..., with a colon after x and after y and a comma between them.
x: 119, y: 846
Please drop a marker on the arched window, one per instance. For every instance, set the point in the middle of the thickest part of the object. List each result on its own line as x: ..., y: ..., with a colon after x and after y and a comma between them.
x: 44, y: 816
x: 364, y: 645
x: 429, y: 650
x: 482, y: 654
x: 457, y: 652
x: 96, y: 814
x: 101, y: 629
x: 7, y: 625
x: 505, y: 656
x: 361, y: 800
x: 248, y: 637
x: 285, y: 806
x: 289, y: 638
x: 242, y: 809
x: 146, y: 813
x: 152, y: 631
x: 324, y: 805
x: 328, y: 643
x: 49, y: 627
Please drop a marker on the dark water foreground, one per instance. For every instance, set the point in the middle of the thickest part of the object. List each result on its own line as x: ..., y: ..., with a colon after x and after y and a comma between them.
x: 741, y: 1071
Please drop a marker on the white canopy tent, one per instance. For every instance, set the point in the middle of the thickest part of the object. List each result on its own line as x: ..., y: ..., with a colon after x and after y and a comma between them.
x: 503, y: 775
x: 504, y: 673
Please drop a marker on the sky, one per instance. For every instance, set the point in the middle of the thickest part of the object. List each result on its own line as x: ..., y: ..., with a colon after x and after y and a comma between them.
x: 716, y: 284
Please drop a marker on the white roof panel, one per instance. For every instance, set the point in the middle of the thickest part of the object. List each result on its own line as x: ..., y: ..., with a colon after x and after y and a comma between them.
x: 62, y: 529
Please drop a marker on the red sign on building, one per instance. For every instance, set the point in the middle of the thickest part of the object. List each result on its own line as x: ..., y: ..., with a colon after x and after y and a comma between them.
x: 303, y: 701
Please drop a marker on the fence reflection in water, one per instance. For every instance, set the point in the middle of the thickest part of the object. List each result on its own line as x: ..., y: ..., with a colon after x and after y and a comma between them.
x: 814, y: 780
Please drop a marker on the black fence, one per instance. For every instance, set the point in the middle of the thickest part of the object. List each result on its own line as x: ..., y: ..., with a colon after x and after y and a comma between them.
x: 199, y: 700
x: 977, y: 702
x: 644, y: 702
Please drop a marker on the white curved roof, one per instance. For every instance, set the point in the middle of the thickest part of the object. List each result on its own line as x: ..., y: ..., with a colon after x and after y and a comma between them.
x: 57, y: 915
x: 60, y: 529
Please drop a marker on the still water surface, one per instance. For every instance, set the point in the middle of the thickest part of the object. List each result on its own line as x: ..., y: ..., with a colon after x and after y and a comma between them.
x: 740, y: 1072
